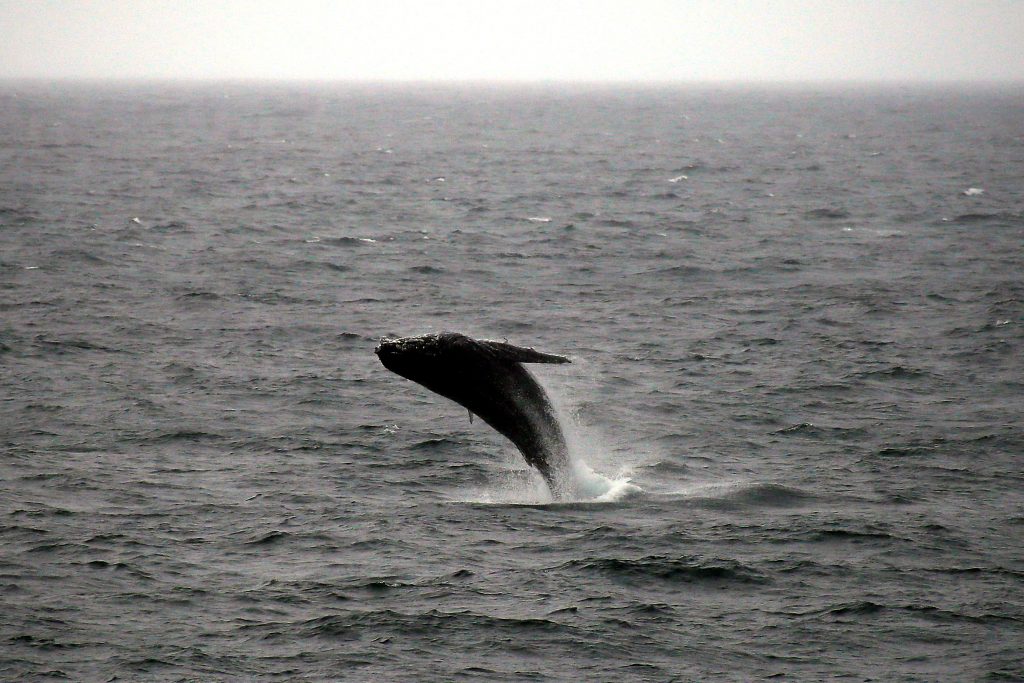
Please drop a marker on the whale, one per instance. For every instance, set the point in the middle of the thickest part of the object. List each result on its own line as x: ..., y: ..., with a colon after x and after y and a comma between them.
x: 489, y: 378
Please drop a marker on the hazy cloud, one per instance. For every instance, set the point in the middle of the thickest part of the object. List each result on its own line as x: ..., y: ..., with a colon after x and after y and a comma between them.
x: 593, y: 40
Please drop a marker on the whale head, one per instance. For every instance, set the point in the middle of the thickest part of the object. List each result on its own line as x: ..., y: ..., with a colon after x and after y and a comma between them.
x: 421, y: 358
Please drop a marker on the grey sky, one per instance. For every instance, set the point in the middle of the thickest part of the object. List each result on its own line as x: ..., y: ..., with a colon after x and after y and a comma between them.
x: 635, y: 40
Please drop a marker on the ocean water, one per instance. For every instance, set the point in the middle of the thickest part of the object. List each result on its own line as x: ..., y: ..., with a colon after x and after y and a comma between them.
x: 795, y: 319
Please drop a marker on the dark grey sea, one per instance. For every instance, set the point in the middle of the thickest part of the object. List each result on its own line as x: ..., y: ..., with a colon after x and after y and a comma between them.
x: 797, y: 392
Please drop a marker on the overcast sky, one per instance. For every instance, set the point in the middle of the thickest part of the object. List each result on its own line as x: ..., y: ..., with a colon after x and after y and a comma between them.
x: 602, y: 40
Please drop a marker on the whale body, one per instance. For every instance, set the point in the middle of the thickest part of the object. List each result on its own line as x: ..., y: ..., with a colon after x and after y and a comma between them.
x: 489, y: 379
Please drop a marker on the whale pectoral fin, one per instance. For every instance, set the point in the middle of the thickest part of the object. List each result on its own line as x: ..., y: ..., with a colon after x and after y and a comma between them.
x: 519, y: 354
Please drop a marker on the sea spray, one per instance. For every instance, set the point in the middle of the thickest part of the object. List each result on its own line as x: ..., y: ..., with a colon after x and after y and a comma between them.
x: 587, y: 446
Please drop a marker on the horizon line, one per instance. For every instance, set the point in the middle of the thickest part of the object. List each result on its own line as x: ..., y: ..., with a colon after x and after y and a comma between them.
x: 508, y: 82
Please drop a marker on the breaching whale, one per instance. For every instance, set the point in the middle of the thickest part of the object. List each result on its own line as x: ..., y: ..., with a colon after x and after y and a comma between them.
x: 488, y: 378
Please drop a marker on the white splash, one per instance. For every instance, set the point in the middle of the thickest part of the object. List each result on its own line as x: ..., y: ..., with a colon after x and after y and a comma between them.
x: 973, y: 191
x: 518, y: 486
x: 592, y: 487
x: 587, y: 449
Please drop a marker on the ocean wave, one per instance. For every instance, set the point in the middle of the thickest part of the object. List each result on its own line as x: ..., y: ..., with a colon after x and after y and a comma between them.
x: 314, y: 265
x: 668, y: 569
x: 808, y: 429
x: 274, y: 298
x: 435, y: 444
x: 62, y: 346
x: 1005, y: 218
x: 909, y: 449
x: 891, y: 372
x: 427, y: 269
x: 870, y: 608
x: 78, y: 255
x: 184, y: 435
x: 347, y: 242
x: 680, y: 271
x: 829, y: 213
x: 848, y: 535
x: 355, y: 624
x: 176, y: 227
x: 199, y: 295
x: 270, y: 538
x: 733, y: 495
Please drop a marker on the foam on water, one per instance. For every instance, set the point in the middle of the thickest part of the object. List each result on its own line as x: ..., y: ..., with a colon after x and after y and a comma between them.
x: 591, y: 486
